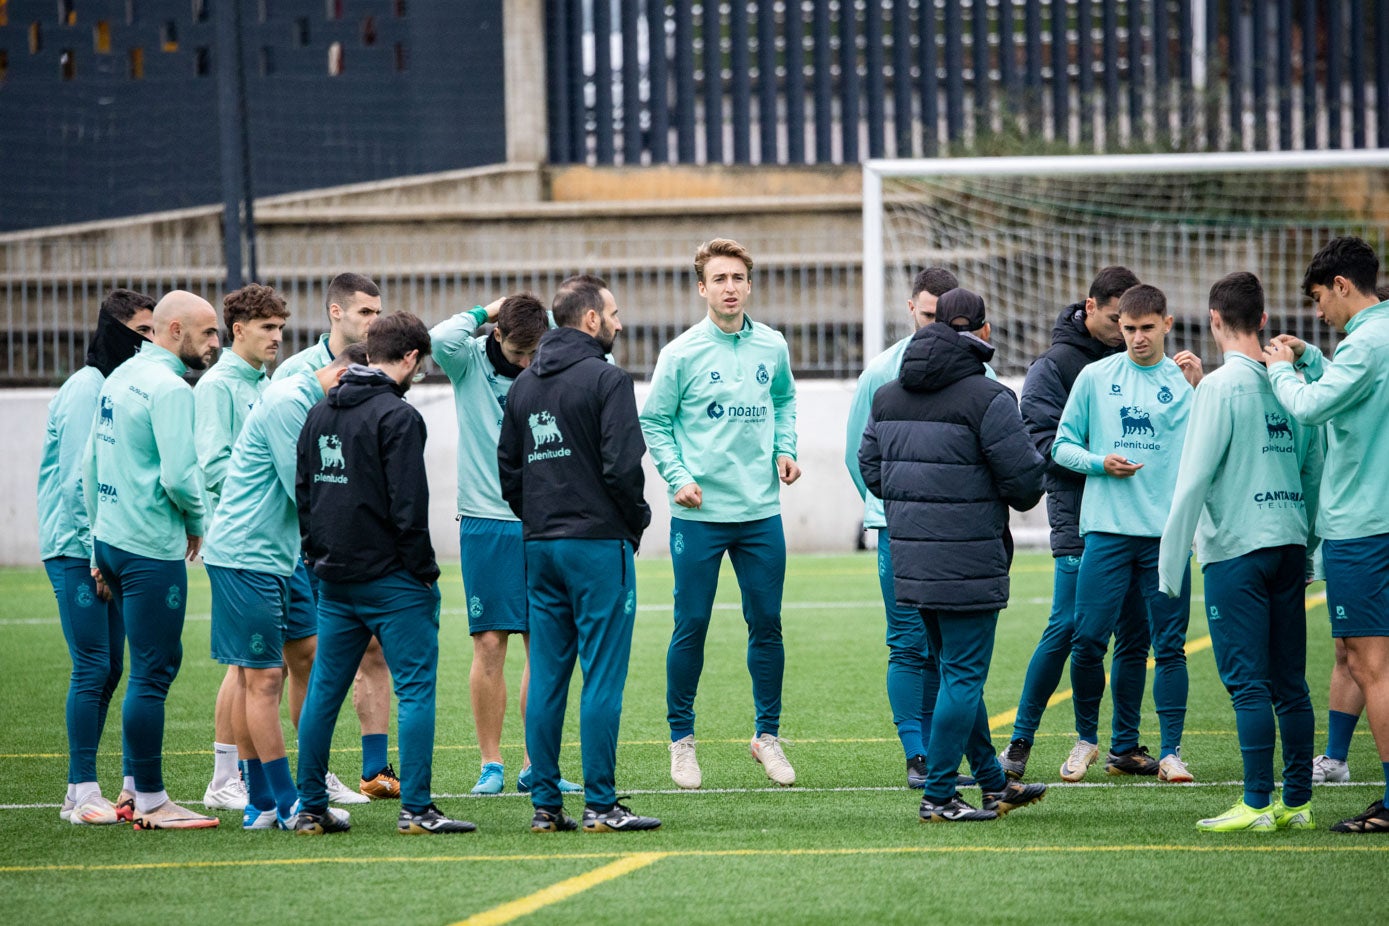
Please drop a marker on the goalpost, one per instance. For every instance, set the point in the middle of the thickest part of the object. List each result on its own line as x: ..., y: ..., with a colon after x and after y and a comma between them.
x: 1029, y: 233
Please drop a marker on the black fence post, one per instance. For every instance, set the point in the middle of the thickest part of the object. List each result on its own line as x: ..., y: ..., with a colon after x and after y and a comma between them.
x: 877, y: 87
x: 1309, y: 74
x: 1137, y: 117
x: 1110, y: 25
x: 1033, y: 21
x: 979, y: 41
x: 1258, y: 60
x: 1085, y: 63
x: 631, y: 83
x: 1060, y: 75
x: 658, y: 102
x: 557, y: 79
x: 795, y: 85
x: 824, y: 86
x: 713, y: 85
x: 902, y: 79
x: 1335, y: 31
x: 1285, y: 74
x: 1162, y: 76
x: 768, y: 119
x: 929, y: 88
x: 954, y: 73
x: 742, y: 81
x: 848, y: 82
x: 603, y: 81
x: 1356, y: 34
x: 684, y: 82
x: 1382, y: 72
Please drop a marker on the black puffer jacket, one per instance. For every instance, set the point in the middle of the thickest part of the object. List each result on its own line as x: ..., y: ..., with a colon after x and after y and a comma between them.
x: 1044, y: 392
x: 946, y: 450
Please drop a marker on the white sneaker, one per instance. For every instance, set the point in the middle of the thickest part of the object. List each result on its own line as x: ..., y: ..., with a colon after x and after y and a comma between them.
x: 94, y: 810
x: 65, y: 812
x: 1173, y: 769
x: 684, y: 767
x: 339, y: 793
x: 1325, y: 768
x: 1083, y: 755
x: 231, y: 796
x: 767, y: 750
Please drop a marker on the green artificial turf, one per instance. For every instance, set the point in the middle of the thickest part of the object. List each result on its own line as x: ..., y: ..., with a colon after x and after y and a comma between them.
x: 843, y: 845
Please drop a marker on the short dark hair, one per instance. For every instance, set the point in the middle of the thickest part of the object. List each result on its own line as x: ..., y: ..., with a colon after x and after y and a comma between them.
x: 352, y: 353
x: 1382, y: 292
x: 1111, y: 283
x: 393, y: 336
x: 1348, y: 257
x: 935, y: 280
x: 571, y: 302
x: 342, y: 286
x: 1239, y: 298
x: 522, y: 320
x: 1141, y: 300
x: 578, y: 278
x: 122, y: 304
x: 252, y: 301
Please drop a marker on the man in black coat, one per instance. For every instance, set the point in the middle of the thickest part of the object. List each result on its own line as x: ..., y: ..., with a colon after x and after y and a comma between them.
x: 569, y: 462
x: 946, y: 450
x: 363, y: 503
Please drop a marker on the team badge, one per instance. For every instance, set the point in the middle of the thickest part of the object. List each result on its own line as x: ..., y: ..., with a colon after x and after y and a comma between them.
x: 257, y: 644
x: 84, y: 597
x: 714, y: 410
x: 1165, y: 395
x: 475, y: 606
x: 762, y: 375
x: 677, y: 543
x: 174, y: 599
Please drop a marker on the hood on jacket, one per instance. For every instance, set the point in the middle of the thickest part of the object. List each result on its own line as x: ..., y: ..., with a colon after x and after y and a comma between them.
x: 1070, y: 329
x: 938, y: 355
x: 112, y: 343
x: 561, y: 348
x: 359, y: 384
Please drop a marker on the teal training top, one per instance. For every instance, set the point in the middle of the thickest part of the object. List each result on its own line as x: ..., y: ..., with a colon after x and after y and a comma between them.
x: 1351, y: 396
x: 1117, y: 406
x: 479, y: 397
x: 63, y: 526
x: 257, y: 526
x: 314, y: 357
x: 222, y: 399
x: 1248, y: 474
x: 722, y: 408
x: 880, y: 371
x: 142, y: 485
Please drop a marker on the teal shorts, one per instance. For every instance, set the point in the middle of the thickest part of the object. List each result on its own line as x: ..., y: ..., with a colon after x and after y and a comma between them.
x: 1357, y: 585
x: 301, y: 620
x: 494, y: 574
x: 248, y: 617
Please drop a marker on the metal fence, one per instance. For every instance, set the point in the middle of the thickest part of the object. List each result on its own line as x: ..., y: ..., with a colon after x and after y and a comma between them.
x: 837, y: 81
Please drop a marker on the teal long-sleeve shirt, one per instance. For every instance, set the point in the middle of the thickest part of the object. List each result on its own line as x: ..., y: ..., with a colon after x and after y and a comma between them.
x: 721, y: 410
x: 63, y: 526
x: 1248, y: 476
x: 1117, y: 406
x: 880, y: 371
x: 1350, y: 395
x: 312, y: 358
x: 479, y: 398
x: 142, y: 484
x: 222, y: 399
x: 257, y: 525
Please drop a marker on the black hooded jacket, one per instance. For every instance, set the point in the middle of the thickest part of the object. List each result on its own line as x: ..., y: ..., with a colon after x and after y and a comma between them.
x: 1044, y: 392
x: 361, y: 490
x: 946, y: 451
x: 569, y: 456
x: 112, y: 344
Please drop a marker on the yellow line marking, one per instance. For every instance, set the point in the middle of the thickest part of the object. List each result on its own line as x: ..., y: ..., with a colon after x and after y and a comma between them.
x: 697, y: 853
x: 562, y: 890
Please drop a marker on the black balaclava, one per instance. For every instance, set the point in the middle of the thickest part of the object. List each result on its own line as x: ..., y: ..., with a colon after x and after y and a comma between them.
x: 112, y: 344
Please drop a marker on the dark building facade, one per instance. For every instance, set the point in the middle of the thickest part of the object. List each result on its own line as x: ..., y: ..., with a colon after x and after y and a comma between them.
x: 111, y: 107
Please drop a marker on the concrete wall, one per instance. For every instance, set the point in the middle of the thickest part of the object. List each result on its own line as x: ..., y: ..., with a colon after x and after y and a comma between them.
x: 821, y: 511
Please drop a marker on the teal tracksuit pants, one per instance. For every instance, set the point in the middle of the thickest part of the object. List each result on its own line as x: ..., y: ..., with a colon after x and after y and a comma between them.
x: 582, y: 598
x: 151, y: 595
x: 962, y: 643
x: 403, y: 613
x: 95, y: 635
x: 757, y: 550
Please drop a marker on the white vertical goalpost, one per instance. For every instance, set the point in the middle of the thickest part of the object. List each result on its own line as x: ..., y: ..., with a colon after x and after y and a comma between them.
x: 1030, y: 232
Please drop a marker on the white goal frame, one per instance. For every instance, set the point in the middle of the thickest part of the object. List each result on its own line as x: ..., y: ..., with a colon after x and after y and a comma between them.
x: 876, y: 170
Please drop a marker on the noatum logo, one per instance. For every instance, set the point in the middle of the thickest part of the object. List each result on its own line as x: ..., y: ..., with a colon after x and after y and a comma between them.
x: 715, y: 410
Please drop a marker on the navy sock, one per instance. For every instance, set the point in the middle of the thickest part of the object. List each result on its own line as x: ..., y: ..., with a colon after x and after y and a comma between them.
x: 281, y: 784
x: 1385, y: 765
x: 1258, y: 799
x: 374, y: 758
x: 1339, y: 729
x: 258, y: 792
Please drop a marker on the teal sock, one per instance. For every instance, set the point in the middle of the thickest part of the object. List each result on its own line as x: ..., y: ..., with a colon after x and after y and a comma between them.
x: 1339, y: 729
x: 1385, y: 766
x: 374, y: 759
x: 258, y: 792
x: 281, y: 784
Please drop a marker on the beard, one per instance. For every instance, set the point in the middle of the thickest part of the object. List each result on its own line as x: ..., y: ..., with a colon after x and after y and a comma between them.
x: 605, y: 338
x: 193, y: 360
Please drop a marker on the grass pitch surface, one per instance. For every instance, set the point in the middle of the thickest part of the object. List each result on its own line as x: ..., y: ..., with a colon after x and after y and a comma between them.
x: 842, y: 845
